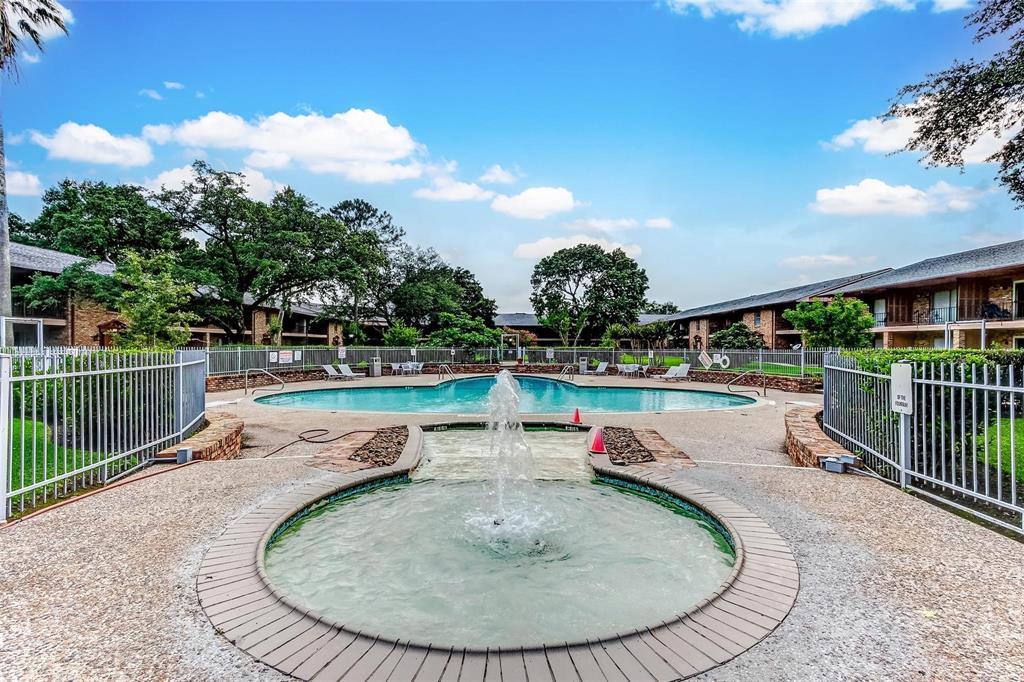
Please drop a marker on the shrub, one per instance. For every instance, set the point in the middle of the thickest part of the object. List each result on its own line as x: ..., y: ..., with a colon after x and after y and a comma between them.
x: 400, y: 334
x: 738, y: 336
x: 878, y: 360
x: 842, y: 323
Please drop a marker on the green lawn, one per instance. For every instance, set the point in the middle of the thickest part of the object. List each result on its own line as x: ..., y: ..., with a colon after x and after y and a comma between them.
x: 1001, y: 439
x: 58, y: 458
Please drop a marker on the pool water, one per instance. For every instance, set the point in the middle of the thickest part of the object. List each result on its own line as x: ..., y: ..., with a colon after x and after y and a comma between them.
x: 537, y: 396
x: 426, y: 561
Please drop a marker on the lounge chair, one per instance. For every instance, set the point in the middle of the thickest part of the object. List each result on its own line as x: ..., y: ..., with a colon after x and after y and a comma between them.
x: 332, y: 373
x: 602, y: 368
x: 347, y: 373
x: 677, y: 373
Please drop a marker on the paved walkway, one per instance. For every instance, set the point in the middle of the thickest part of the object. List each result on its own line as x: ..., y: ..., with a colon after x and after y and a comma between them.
x: 891, y: 587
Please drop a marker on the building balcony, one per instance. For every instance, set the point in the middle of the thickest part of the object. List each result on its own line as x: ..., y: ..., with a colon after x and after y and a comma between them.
x: 992, y: 313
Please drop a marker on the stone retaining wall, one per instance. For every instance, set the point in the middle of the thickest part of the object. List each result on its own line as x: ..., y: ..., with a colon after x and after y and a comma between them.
x: 806, y: 443
x: 778, y: 383
x: 221, y: 439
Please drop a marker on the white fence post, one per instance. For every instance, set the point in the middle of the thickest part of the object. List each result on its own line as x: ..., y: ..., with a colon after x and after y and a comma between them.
x: 179, y: 394
x: 5, y: 432
x: 904, y: 451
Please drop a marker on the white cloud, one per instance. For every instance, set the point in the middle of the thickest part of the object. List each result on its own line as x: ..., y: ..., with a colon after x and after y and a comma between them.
x: 874, y: 197
x: 174, y: 85
x: 535, y: 203
x: 258, y: 185
x: 815, y: 262
x: 92, y: 144
x: 783, y: 18
x: 359, y: 144
x: 988, y: 238
x: 659, y: 223
x: 496, y: 175
x: 448, y: 189
x: 200, y: 94
x: 268, y: 159
x: 151, y: 93
x: 878, y: 136
x: 31, y: 57
x: 160, y: 134
x: 545, y: 246
x: 21, y: 184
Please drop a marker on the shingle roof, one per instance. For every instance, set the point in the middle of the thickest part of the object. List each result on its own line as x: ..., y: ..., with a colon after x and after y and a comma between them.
x: 771, y: 298
x: 519, y: 320
x: 1010, y: 254
x: 46, y: 260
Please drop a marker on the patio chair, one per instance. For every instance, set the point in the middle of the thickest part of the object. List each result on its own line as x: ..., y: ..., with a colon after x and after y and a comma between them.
x: 642, y: 371
x: 602, y: 369
x: 416, y: 367
x: 331, y: 372
x: 347, y: 373
x: 396, y: 368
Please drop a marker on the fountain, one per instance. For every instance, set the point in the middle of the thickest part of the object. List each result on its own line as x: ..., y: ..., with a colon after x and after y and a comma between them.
x: 490, y: 545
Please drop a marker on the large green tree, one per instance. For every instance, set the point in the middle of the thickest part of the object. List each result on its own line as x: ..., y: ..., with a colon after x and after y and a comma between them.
x: 840, y: 323
x: 21, y: 22
x: 585, y: 286
x: 101, y: 221
x: 463, y: 331
x: 955, y: 108
x: 736, y: 336
x: 259, y: 254
x: 152, y: 303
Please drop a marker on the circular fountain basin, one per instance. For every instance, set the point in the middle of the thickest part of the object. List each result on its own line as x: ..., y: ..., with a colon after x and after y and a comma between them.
x: 537, y: 396
x: 428, y: 561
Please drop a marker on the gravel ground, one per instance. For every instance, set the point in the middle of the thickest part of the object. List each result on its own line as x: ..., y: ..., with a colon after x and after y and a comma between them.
x: 892, y: 588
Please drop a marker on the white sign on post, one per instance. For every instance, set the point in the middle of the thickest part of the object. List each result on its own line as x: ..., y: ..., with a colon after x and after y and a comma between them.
x: 341, y: 352
x: 901, y: 388
x: 549, y: 354
x: 412, y: 352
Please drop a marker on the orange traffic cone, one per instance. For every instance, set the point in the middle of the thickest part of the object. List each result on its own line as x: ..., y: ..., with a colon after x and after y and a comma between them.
x: 597, y: 447
x: 576, y: 417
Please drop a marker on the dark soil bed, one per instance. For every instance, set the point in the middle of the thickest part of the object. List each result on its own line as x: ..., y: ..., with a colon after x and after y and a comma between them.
x: 623, y: 446
x: 384, y: 448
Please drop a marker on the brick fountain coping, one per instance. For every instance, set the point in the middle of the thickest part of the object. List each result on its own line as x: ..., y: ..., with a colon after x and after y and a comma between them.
x: 244, y: 607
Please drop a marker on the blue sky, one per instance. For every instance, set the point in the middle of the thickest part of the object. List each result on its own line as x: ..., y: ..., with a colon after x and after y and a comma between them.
x: 728, y: 144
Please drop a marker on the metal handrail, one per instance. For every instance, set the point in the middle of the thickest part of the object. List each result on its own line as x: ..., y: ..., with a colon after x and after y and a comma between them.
x: 257, y: 388
x: 569, y: 369
x: 442, y: 370
x: 764, y: 384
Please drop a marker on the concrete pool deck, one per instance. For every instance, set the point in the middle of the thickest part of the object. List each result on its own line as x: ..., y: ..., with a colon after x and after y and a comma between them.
x: 891, y: 587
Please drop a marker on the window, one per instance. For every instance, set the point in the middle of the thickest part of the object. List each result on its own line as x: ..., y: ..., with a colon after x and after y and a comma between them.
x: 757, y: 319
x: 1018, y: 343
x: 879, y: 310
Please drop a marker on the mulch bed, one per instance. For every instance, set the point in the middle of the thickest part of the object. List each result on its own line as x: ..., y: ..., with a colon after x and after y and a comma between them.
x: 384, y: 448
x: 623, y: 446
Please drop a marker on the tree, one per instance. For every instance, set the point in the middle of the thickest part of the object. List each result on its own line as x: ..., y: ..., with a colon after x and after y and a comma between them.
x: 738, y: 336
x: 656, y: 308
x: 76, y: 283
x: 20, y: 21
x: 260, y: 254
x: 954, y: 108
x: 400, y: 335
x: 463, y: 331
x: 841, y: 323
x: 526, y: 338
x: 97, y: 220
x: 585, y: 285
x: 152, y: 303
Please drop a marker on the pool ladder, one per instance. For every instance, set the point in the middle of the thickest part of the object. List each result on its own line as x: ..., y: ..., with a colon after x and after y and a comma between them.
x: 444, y: 372
x: 764, y: 384
x: 257, y: 388
x: 568, y: 370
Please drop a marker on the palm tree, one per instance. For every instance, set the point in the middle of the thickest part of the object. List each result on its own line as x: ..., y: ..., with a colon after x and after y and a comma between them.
x: 20, y: 21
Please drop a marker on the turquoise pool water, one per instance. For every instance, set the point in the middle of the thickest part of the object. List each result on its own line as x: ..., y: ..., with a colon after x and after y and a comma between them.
x: 538, y: 396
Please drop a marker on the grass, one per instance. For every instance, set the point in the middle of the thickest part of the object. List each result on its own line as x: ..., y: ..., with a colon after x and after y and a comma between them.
x: 1001, y: 438
x: 58, y: 458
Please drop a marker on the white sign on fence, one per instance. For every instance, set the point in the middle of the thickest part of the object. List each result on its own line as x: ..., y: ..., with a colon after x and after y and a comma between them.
x: 341, y: 352
x: 705, y: 359
x: 298, y: 356
x: 273, y: 356
x: 901, y: 388
x: 284, y: 357
x: 549, y: 354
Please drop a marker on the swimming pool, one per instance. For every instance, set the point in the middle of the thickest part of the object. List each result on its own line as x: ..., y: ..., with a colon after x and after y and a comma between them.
x: 538, y: 396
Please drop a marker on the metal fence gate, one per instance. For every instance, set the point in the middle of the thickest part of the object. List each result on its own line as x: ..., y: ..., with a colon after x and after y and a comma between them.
x: 77, y: 417
x: 958, y: 442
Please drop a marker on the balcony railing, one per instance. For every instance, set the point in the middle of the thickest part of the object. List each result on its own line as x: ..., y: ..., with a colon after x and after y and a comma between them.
x: 941, y: 315
x: 21, y: 309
